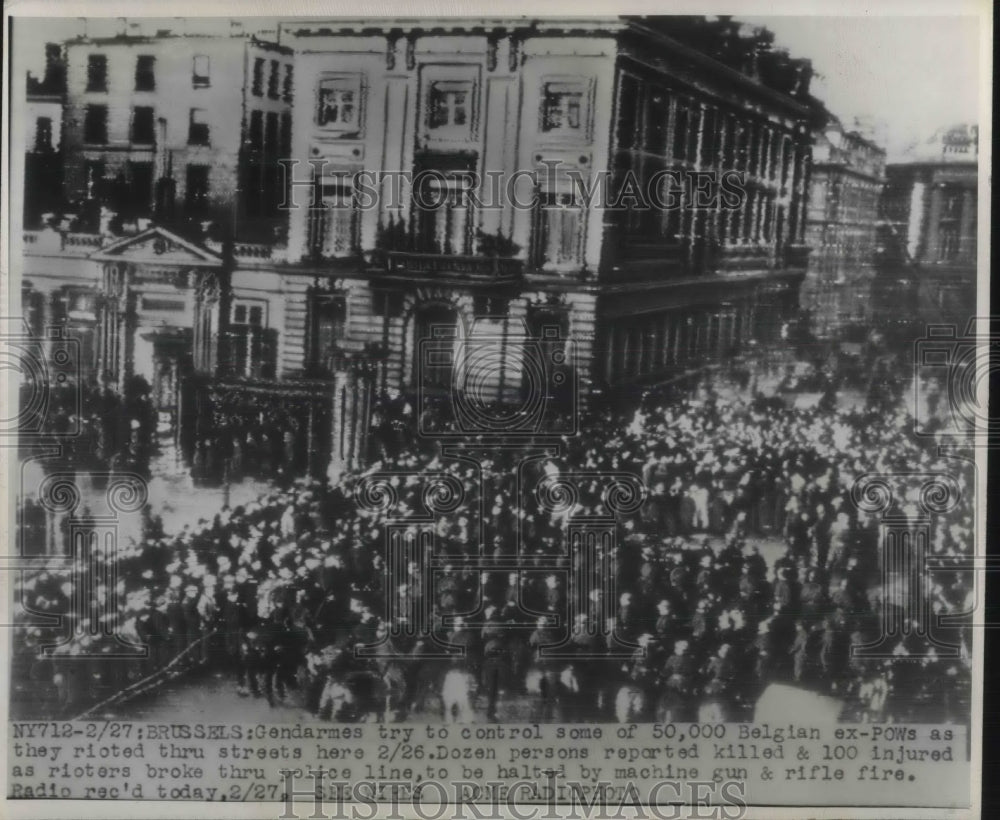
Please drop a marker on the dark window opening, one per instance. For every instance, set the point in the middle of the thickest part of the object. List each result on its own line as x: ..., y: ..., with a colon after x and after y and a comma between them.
x: 256, y: 131
x: 97, y: 72
x: 271, y: 133
x: 141, y: 189
x: 657, y: 119
x: 710, y: 137
x: 43, y: 134
x: 95, y: 124
x: 143, y: 126
x: 328, y: 330
x: 198, y: 127
x: 681, y: 126
x: 272, y: 80
x: 628, y: 105
x: 286, y: 135
x: 258, y: 77
x: 196, y: 191
x: 145, y: 76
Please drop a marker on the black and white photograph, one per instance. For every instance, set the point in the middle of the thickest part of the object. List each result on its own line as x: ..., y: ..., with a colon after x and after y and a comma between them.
x: 484, y: 398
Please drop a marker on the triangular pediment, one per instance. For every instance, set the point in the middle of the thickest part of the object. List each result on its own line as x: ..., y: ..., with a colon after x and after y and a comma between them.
x: 158, y: 246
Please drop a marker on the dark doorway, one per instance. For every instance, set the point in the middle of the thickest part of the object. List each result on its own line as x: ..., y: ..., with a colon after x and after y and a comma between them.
x: 435, y: 336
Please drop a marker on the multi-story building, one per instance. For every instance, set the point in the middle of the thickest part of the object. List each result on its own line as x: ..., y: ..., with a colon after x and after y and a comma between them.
x: 182, y: 127
x: 629, y: 192
x: 180, y: 124
x: 846, y: 180
x: 927, y: 264
x: 42, y: 134
x: 642, y: 292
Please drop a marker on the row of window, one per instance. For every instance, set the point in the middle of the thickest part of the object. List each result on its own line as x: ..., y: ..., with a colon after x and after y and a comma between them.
x: 145, y: 72
x: 658, y: 343
x: 263, y: 131
x: 143, y: 126
x: 137, y: 179
x: 758, y: 217
x: 557, y: 229
x: 450, y: 104
x: 268, y: 140
x: 277, y: 88
x: 658, y: 121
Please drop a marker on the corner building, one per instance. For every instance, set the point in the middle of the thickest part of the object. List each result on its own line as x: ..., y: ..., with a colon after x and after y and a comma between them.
x: 643, y: 293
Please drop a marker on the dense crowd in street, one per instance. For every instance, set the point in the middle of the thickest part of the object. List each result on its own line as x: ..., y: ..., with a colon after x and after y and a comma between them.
x: 299, y: 591
x: 262, y: 443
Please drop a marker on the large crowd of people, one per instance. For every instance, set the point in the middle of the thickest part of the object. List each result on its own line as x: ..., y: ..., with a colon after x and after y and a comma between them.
x: 748, y: 562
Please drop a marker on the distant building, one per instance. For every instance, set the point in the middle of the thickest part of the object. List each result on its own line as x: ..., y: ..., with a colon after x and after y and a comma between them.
x: 845, y: 186
x: 927, y: 264
x: 201, y: 284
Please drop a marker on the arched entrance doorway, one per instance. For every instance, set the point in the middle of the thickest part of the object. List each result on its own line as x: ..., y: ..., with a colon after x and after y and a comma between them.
x: 436, y: 336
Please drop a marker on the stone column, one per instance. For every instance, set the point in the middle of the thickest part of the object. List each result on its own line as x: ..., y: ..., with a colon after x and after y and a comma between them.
x: 353, y: 381
x: 206, y: 306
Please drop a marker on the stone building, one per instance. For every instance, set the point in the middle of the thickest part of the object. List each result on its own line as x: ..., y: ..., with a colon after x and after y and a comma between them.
x: 41, y: 136
x: 181, y: 125
x: 927, y: 263
x: 647, y: 215
x: 846, y: 181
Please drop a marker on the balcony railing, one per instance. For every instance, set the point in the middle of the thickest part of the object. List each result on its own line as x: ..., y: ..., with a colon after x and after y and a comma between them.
x: 47, y: 241
x: 246, y: 250
x: 483, y: 269
x: 84, y: 240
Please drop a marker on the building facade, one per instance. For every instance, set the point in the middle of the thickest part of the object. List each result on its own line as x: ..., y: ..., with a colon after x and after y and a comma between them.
x: 538, y: 191
x: 178, y: 125
x: 43, y: 171
x: 846, y: 182
x: 928, y: 241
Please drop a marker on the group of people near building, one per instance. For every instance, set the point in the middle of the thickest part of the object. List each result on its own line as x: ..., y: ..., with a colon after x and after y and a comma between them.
x: 100, y: 430
x: 749, y: 556
x: 262, y: 445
